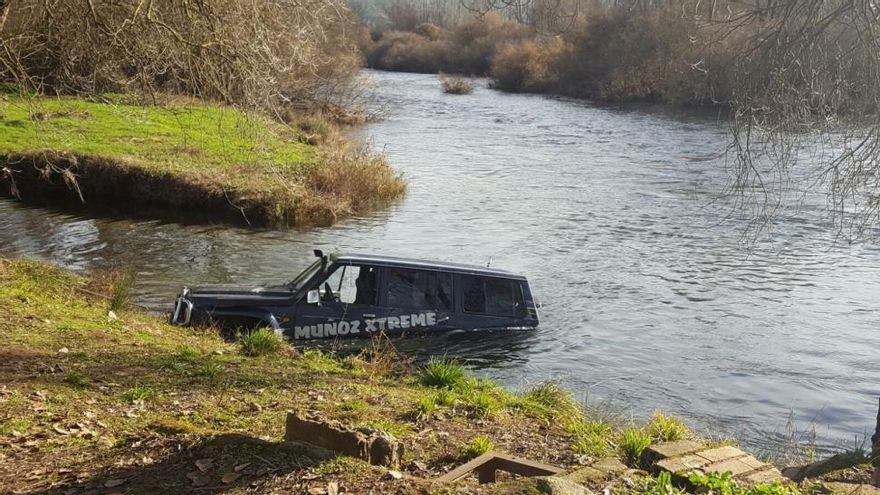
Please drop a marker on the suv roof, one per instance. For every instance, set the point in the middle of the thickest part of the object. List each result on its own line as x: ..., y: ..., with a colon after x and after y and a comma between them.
x: 424, y: 264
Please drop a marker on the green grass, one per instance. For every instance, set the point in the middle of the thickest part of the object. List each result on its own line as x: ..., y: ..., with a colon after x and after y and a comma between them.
x: 478, y: 446
x: 121, y: 290
x: 665, y: 428
x: 261, y: 342
x: 591, y: 437
x: 551, y: 400
x: 442, y: 373
x: 185, y: 137
x: 77, y: 379
x: 139, y: 392
x: 634, y: 441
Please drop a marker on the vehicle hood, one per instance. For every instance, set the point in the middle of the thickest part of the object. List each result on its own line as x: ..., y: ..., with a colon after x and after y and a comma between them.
x: 225, y: 296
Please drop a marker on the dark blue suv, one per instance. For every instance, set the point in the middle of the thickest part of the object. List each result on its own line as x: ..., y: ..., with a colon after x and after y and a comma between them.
x: 357, y: 295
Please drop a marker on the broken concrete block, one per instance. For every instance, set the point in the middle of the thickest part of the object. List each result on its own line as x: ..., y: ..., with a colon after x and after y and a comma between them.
x: 611, y: 465
x: 682, y: 465
x: 721, y: 453
x: 767, y: 475
x: 587, y: 475
x: 554, y: 485
x: 374, y: 446
x: 666, y: 450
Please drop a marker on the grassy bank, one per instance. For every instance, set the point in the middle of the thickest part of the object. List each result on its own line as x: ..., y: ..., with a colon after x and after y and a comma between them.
x: 92, y: 401
x: 187, y: 156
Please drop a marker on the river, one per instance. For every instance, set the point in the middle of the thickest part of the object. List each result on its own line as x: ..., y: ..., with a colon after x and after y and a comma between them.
x: 651, y: 299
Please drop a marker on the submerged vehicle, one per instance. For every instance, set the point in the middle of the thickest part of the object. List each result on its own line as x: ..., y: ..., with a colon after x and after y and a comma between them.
x: 358, y: 295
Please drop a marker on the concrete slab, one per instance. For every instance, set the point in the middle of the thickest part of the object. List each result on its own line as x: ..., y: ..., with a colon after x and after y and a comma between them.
x: 721, y: 453
x: 683, y: 464
x: 766, y: 475
x: 673, y: 449
x: 735, y: 466
x: 610, y: 465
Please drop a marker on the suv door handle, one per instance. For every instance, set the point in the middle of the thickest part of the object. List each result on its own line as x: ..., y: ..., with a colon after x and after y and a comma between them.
x: 369, y: 316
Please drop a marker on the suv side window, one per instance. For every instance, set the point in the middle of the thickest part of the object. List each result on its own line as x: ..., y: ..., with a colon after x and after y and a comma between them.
x: 492, y: 296
x: 419, y: 289
x: 352, y: 284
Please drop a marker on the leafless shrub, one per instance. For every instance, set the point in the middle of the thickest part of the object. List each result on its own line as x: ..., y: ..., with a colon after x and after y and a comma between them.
x: 456, y: 85
x: 529, y: 65
x: 255, y: 54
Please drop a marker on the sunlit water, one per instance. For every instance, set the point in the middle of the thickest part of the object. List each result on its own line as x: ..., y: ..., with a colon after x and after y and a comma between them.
x: 650, y: 298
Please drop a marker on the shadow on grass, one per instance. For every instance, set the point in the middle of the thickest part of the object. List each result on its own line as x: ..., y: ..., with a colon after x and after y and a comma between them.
x: 216, y: 465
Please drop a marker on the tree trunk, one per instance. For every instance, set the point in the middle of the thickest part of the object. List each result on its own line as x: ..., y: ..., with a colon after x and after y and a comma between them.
x: 875, y: 451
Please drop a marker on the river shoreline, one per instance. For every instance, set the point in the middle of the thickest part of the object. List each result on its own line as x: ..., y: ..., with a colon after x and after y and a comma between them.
x: 191, y: 160
x: 86, y: 386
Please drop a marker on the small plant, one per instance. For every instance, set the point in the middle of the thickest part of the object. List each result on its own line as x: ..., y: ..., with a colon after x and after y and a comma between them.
x: 665, y: 428
x: 442, y: 373
x: 209, y: 369
x: 120, y: 290
x: 352, y: 405
x: 591, y: 438
x: 456, y: 85
x: 724, y: 484
x: 395, y: 428
x: 259, y: 342
x: 482, y: 404
x: 557, y: 401
x: 139, y: 393
x: 187, y: 355
x: 445, y: 398
x: 425, y: 407
x: 77, y: 379
x: 633, y: 442
x: 663, y: 486
x: 478, y: 446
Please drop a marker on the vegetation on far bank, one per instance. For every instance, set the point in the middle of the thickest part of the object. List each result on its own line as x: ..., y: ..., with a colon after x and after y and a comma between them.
x: 165, y: 109
x: 94, y: 399
x: 188, y: 155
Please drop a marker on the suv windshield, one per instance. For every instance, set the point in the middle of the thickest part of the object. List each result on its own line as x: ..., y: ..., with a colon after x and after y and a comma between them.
x: 305, y: 275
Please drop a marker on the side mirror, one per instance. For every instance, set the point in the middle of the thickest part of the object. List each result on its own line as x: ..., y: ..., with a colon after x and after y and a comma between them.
x: 313, y: 296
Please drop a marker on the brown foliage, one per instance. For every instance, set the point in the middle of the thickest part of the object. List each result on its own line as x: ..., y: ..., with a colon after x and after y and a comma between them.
x: 251, y: 53
x: 468, y: 48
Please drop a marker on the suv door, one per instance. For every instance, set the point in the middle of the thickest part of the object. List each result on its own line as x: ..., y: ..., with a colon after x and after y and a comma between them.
x: 347, y: 305
x: 417, y: 300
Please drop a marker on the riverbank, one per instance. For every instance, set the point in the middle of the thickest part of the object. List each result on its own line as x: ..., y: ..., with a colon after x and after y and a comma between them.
x: 187, y: 157
x: 98, y: 396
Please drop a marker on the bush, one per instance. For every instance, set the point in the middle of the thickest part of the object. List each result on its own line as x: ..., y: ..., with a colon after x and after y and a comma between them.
x: 259, y: 342
x: 530, y: 65
x: 442, y: 373
x: 591, y: 437
x: 478, y: 446
x: 120, y: 290
x: 456, y: 85
x: 664, y: 428
x: 556, y: 400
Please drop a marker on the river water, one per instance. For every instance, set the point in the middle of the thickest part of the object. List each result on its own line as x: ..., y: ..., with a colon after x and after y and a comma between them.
x: 650, y: 298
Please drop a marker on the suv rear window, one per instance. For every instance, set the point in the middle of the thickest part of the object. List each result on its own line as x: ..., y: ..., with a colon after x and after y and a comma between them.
x: 492, y: 296
x: 419, y: 289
